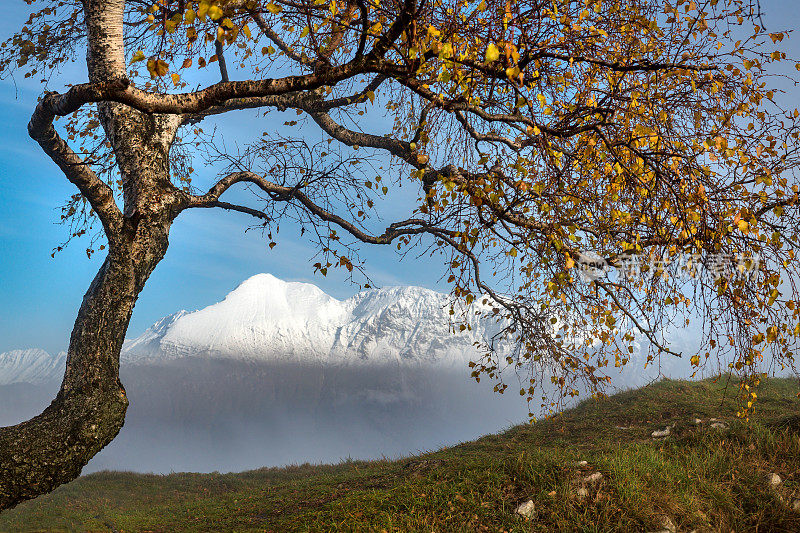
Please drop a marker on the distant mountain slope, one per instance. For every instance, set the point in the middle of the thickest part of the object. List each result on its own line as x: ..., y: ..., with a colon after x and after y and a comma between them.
x: 31, y: 366
x: 267, y: 319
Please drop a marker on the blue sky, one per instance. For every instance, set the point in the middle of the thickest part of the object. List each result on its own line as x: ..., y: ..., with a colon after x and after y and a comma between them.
x: 209, y: 255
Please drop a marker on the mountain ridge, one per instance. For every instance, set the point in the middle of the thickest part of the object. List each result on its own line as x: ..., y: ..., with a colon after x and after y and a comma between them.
x: 268, y: 319
x: 31, y: 365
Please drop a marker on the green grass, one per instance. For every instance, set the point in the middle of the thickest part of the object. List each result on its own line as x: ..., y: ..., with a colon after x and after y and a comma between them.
x: 701, y: 478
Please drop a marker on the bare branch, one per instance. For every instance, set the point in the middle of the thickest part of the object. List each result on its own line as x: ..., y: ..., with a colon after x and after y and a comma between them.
x: 287, y: 194
x: 223, y: 67
x: 267, y: 30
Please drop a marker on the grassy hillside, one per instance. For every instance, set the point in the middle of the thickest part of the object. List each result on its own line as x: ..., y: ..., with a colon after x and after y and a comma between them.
x: 703, y: 478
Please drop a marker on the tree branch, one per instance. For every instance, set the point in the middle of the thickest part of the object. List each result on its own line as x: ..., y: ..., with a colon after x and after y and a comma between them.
x: 267, y: 30
x: 286, y: 194
x: 297, y: 100
x: 98, y: 193
x: 121, y: 91
x: 223, y: 67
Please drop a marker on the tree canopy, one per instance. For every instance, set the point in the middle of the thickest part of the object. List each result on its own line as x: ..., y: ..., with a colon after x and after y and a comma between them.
x: 542, y: 135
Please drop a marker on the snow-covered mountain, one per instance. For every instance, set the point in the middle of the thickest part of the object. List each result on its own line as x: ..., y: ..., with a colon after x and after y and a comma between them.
x: 280, y: 373
x: 31, y: 366
x: 267, y: 319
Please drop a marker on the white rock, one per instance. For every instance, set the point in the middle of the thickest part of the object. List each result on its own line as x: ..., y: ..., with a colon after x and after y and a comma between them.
x: 796, y: 505
x: 526, y: 509
x: 583, y: 463
x: 668, y: 525
x: 696, y: 421
x: 594, y: 478
x: 774, y: 479
x: 659, y: 433
x: 719, y: 425
x: 582, y: 493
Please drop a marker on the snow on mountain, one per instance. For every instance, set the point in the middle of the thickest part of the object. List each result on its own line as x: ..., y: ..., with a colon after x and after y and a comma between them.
x: 31, y: 366
x: 147, y: 344
x: 266, y: 318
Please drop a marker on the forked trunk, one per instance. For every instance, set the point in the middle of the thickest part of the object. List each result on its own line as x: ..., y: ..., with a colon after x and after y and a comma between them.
x: 38, y: 455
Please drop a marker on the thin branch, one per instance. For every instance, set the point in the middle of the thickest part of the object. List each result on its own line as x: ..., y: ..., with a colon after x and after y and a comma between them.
x: 223, y: 67
x: 286, y: 194
x: 273, y: 36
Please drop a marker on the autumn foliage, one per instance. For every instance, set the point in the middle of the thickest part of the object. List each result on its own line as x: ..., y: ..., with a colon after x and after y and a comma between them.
x: 537, y: 131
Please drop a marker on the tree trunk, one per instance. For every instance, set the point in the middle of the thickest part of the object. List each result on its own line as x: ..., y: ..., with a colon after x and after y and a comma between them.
x: 38, y: 455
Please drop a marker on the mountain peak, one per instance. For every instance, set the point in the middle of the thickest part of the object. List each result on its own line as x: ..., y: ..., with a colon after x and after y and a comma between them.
x: 267, y: 290
x: 263, y: 314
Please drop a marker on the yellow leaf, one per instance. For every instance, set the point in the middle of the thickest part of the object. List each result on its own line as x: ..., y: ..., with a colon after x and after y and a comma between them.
x: 274, y: 9
x: 246, y: 31
x: 138, y: 56
x: 176, y: 78
x: 157, y: 68
x: 304, y: 32
x: 202, y: 11
x: 743, y: 225
x: 773, y: 296
x: 190, y: 16
x: 371, y: 96
x: 492, y: 53
x: 215, y: 12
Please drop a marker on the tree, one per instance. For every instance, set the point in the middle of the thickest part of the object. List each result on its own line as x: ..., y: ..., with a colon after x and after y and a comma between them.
x: 538, y: 132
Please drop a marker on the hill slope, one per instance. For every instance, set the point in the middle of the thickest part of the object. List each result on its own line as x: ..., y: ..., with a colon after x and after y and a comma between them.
x: 700, y: 477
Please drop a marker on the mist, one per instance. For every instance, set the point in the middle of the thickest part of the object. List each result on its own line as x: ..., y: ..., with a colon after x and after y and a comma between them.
x: 199, y: 414
x: 204, y: 415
